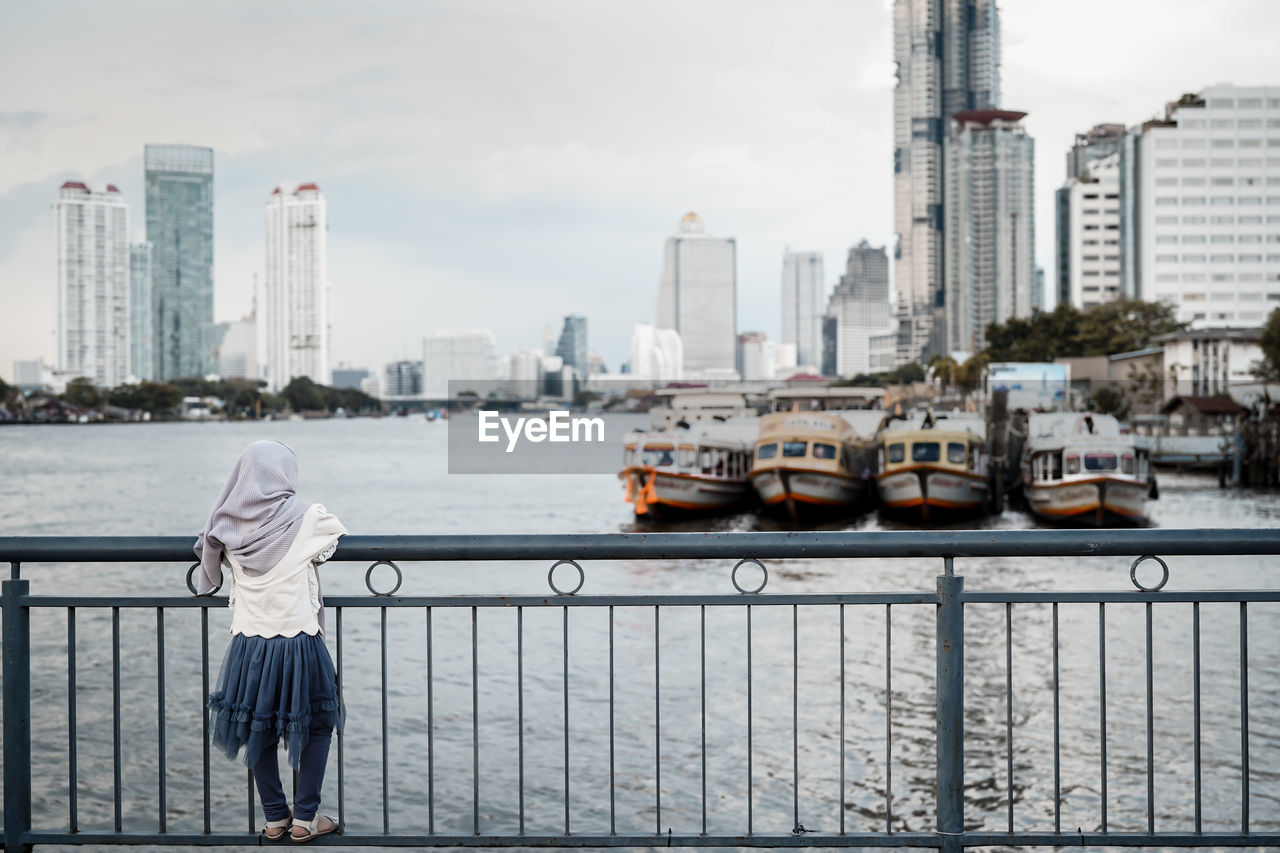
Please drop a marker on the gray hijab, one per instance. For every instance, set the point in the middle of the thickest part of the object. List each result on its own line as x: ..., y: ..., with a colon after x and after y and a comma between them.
x: 257, y: 516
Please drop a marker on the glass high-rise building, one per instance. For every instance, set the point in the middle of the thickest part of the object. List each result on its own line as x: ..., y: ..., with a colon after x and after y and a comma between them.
x: 573, y: 343
x: 697, y: 297
x: 141, y: 359
x: 947, y: 54
x: 804, y: 291
x: 179, y: 189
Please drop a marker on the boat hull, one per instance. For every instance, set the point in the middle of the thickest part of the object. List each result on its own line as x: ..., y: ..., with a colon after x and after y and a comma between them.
x: 653, y: 493
x: 1100, y: 501
x: 931, y: 491
x: 798, y: 491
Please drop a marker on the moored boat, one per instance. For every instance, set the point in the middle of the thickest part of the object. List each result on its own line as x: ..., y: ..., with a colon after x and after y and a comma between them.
x: 1081, y: 468
x: 702, y: 468
x: 934, y: 464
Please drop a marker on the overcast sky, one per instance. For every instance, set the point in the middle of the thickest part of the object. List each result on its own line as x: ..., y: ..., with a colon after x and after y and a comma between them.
x: 502, y: 164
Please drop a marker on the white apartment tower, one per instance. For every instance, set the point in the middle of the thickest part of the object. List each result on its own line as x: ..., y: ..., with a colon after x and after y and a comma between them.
x: 697, y: 297
x: 296, y: 286
x: 803, y: 298
x: 656, y: 353
x: 947, y: 54
x: 1089, y: 264
x: 455, y: 355
x: 1208, y: 213
x: 990, y: 255
x: 92, y: 238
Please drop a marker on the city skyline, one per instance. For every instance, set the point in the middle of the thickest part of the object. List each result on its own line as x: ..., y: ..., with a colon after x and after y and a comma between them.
x: 562, y: 216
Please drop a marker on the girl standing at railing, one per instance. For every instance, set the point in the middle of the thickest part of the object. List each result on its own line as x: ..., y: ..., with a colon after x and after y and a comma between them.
x: 277, y: 681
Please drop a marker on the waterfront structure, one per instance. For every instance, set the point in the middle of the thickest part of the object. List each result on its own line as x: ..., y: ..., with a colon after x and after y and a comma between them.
x: 457, y: 354
x: 697, y: 297
x: 1087, y: 232
x: 297, y: 285
x: 859, y: 305
x: 402, y: 379
x: 141, y: 358
x: 990, y: 225
x: 656, y: 353
x: 573, y: 343
x: 1208, y: 361
x: 236, y: 349
x: 93, y: 281
x: 1204, y: 234
x: 803, y: 303
x: 179, y: 194
x: 947, y: 55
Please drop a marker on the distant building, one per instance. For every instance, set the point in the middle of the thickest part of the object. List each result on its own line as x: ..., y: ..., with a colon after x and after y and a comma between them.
x: 656, y: 354
x: 402, y: 379
x: 141, y: 318
x: 369, y: 385
x: 1088, y: 235
x: 457, y: 354
x: 830, y: 337
x: 859, y: 307
x: 236, y: 352
x: 804, y: 293
x: 297, y: 285
x: 596, y: 365
x: 697, y: 297
x: 92, y: 237
x: 1209, y: 361
x: 990, y: 256
x: 947, y: 55
x: 179, y: 188
x: 1099, y: 141
x: 345, y: 376
x: 573, y: 343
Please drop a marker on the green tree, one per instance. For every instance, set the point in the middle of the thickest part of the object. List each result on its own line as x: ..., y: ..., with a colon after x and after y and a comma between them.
x: 1269, y: 368
x: 303, y: 395
x: 81, y: 392
x: 1114, y: 327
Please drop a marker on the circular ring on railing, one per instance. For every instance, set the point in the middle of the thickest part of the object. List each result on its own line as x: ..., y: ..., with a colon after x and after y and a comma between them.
x: 191, y: 573
x: 551, y: 577
x: 1164, y: 568
x: 733, y: 576
x: 368, y: 578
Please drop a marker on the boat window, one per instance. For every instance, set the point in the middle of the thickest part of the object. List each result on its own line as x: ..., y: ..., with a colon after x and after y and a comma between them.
x: 688, y: 455
x: 704, y: 459
x: 766, y: 451
x: 926, y: 451
x: 793, y: 448
x: 721, y: 463
x: 824, y: 451
x: 1073, y: 464
x: 1126, y: 463
x: 1100, y: 461
x: 955, y: 452
x: 1055, y: 466
x: 846, y: 459
x: 659, y: 456
x: 897, y: 452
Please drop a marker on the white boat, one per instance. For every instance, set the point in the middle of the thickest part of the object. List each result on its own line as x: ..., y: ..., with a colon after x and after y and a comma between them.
x: 701, y: 468
x: 933, y: 464
x: 1079, y: 467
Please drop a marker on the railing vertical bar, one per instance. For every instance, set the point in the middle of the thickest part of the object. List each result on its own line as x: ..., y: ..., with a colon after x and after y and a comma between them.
x: 613, y: 829
x: 73, y: 808
x: 1057, y: 740
x: 431, y: 735
x: 1102, y: 706
x: 115, y: 720
x: 1151, y: 778
x: 520, y: 709
x: 565, y: 685
x: 204, y: 715
x: 342, y: 799
x: 382, y: 640
x: 249, y: 795
x: 1244, y: 717
x: 1008, y: 706
x: 888, y: 718
x: 749, y: 724
x: 842, y: 762
x: 795, y: 715
x: 657, y: 722
x: 161, y: 806
x: 702, y: 659
x: 475, y: 726
x: 1195, y: 705
x: 15, y: 673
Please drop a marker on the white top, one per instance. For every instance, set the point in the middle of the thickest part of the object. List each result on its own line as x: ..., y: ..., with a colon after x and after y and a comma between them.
x: 285, y: 600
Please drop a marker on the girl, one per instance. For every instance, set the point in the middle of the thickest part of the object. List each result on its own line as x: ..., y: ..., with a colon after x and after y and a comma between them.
x: 277, y: 681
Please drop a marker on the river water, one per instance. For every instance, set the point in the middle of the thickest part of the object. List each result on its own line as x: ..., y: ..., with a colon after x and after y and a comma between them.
x: 389, y: 476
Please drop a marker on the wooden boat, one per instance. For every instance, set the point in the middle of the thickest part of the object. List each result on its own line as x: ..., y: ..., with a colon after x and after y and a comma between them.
x: 809, y: 461
x: 934, y: 464
x: 1080, y: 468
x: 702, y: 468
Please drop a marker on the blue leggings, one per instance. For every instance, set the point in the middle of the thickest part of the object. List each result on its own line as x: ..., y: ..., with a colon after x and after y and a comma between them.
x: 311, y: 763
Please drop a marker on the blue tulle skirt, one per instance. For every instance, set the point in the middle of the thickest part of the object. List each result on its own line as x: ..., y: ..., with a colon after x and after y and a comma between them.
x: 273, y: 689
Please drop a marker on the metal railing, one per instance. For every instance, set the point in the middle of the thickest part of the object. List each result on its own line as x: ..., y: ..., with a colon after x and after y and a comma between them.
x: 954, y: 825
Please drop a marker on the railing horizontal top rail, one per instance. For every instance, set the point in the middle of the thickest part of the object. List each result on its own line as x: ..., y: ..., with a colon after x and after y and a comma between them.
x: 719, y: 545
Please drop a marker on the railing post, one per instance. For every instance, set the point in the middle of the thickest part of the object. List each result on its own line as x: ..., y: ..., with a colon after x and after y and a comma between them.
x: 950, y: 685
x: 17, y: 715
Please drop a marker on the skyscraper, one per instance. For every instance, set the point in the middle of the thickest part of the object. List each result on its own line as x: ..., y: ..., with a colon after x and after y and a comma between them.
x: 947, y: 54
x: 656, y: 353
x: 92, y: 237
x: 141, y: 358
x: 1088, y: 234
x: 297, y: 285
x: 860, y: 308
x: 803, y: 296
x: 179, y: 191
x: 573, y: 343
x: 990, y: 257
x: 697, y: 297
